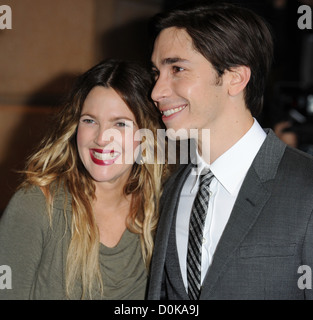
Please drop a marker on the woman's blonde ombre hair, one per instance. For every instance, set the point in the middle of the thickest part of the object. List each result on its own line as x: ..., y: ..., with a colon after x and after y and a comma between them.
x: 56, y: 165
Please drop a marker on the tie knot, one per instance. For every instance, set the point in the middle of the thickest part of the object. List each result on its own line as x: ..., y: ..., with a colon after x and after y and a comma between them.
x: 205, y: 179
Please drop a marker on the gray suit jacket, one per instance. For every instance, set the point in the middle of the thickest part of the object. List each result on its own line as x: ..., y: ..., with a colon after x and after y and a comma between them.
x: 269, y: 234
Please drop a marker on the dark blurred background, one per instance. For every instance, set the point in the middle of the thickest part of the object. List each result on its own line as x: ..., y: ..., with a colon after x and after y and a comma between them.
x: 53, y: 41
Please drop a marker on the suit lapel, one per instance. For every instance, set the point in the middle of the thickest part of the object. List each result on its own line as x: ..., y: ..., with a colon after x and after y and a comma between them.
x: 252, y: 198
x: 169, y: 204
x: 253, y: 195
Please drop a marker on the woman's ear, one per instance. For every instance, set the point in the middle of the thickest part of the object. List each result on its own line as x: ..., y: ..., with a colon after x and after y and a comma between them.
x: 240, y: 77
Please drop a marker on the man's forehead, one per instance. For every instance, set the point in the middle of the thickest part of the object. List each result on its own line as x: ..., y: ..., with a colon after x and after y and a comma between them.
x: 170, y: 46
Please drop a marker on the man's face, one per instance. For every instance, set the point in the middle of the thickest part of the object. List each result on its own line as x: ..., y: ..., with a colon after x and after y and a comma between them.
x: 187, y: 90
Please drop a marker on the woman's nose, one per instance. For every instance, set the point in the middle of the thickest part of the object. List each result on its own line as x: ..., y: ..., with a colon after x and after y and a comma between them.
x: 106, y: 136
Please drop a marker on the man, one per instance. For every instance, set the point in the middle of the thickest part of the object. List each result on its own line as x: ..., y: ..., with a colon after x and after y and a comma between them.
x: 211, y: 65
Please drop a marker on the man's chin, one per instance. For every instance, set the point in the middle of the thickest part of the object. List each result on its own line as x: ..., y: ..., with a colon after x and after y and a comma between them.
x: 178, y: 134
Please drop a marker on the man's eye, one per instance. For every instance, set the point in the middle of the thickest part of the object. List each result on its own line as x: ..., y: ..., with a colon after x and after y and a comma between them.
x: 177, y: 69
x: 121, y: 124
x: 155, y: 74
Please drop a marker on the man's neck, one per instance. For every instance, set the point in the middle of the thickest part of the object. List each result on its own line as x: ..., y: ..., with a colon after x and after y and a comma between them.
x: 223, y: 137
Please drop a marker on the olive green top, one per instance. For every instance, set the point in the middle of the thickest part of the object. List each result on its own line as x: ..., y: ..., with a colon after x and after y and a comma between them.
x: 36, y: 253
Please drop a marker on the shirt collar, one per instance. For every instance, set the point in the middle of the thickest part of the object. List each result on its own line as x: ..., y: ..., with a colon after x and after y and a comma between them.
x: 232, y: 166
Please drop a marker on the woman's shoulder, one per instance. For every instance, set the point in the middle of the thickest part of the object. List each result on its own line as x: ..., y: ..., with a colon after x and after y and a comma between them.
x: 27, y: 197
x: 31, y: 202
x: 26, y: 210
x: 61, y: 197
x: 31, y: 193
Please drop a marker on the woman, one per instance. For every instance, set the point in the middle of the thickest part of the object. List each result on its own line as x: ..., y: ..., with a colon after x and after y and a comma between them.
x: 81, y: 225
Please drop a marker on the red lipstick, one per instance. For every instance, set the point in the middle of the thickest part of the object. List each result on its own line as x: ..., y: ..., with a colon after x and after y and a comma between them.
x: 104, y: 160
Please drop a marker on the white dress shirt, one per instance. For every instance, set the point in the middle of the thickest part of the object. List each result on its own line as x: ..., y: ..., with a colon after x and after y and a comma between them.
x: 229, y: 172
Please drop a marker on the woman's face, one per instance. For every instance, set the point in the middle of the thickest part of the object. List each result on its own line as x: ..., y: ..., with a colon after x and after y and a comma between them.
x: 105, y: 136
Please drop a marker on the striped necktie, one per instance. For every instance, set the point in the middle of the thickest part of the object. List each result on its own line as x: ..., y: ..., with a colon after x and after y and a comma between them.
x: 196, y: 225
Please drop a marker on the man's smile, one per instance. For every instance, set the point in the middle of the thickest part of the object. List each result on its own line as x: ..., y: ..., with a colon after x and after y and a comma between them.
x: 169, y: 112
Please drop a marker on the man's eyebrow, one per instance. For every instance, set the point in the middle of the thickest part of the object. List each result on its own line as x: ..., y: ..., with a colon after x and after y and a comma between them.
x: 169, y: 61
x: 173, y: 60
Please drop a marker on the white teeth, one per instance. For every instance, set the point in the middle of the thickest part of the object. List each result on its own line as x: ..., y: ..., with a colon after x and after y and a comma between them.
x: 169, y: 112
x: 105, y: 156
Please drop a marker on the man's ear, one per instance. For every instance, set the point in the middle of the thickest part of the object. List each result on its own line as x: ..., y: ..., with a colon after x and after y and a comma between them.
x: 239, y: 78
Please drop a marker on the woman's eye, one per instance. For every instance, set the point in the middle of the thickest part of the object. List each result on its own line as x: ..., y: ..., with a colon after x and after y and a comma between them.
x: 125, y: 123
x: 88, y: 121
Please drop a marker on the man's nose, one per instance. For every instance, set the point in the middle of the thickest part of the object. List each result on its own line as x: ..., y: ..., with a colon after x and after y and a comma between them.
x: 162, y: 89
